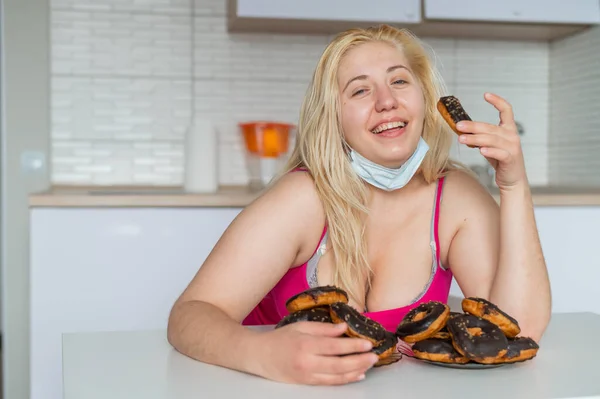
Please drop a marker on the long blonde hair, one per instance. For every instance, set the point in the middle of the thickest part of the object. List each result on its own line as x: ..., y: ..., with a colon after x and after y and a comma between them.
x: 321, y: 148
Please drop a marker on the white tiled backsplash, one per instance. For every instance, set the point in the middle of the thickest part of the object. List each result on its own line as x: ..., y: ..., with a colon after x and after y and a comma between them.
x: 574, y: 140
x: 128, y: 78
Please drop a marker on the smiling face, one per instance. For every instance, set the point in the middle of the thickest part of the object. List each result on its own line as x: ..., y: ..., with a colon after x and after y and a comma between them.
x: 382, y: 104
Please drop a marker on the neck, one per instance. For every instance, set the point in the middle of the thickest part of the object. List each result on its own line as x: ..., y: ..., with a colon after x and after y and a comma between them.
x: 415, y: 183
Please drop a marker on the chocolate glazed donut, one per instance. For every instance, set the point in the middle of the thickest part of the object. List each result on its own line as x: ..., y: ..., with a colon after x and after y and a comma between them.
x: 477, y: 339
x: 443, y: 333
x: 487, y: 310
x: 317, y: 296
x: 436, y: 350
x: 453, y: 112
x: 520, y: 349
x: 318, y: 314
x: 386, y: 351
x: 359, y: 326
x: 423, y: 321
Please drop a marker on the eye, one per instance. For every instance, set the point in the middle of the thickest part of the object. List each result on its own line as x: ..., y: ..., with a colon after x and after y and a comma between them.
x: 400, y: 81
x: 357, y: 92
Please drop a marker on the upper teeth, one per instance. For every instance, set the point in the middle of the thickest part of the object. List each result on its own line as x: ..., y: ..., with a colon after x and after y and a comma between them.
x: 386, y: 126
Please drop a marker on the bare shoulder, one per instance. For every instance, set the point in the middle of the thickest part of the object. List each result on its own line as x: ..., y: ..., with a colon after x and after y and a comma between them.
x: 293, y: 203
x: 293, y: 192
x: 466, y: 197
x: 259, y: 246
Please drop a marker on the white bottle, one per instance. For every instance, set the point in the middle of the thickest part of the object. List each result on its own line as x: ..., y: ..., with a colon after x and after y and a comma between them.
x: 201, y: 156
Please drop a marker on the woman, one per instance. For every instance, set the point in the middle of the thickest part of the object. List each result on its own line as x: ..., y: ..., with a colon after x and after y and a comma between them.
x: 360, y: 207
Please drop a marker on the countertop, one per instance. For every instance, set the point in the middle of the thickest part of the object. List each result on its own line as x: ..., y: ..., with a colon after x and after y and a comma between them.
x: 240, y: 196
x: 143, y: 365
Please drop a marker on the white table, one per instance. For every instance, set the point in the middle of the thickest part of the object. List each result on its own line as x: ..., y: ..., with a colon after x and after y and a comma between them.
x: 142, y: 365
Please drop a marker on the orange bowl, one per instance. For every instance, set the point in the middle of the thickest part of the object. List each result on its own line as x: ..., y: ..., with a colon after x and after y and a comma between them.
x: 266, y: 139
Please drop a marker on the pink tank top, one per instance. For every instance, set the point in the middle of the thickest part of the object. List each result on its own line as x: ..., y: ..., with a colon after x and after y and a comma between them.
x: 272, y: 307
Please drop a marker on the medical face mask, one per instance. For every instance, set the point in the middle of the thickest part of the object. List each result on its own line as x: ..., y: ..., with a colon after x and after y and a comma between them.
x: 385, y: 178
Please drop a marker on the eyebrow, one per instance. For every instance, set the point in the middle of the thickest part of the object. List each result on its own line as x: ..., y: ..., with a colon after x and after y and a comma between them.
x: 363, y: 77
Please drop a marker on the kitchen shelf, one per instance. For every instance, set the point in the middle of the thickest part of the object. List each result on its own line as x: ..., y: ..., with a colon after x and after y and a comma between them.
x: 241, y: 196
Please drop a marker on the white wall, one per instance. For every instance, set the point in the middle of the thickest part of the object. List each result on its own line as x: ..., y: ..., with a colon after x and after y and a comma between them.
x: 574, y: 86
x: 25, y: 125
x: 127, y: 78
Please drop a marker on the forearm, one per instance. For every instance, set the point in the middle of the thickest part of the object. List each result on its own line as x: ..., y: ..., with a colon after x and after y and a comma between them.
x: 205, y: 333
x: 521, y: 286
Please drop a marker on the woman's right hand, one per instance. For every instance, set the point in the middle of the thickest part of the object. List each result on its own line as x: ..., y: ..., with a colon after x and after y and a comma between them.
x: 313, y: 353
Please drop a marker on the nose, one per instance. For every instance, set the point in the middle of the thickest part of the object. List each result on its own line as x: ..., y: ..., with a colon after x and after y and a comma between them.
x: 385, y: 100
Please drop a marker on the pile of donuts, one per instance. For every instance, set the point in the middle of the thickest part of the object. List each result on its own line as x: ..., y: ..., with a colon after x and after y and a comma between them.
x: 329, y: 304
x: 482, y: 334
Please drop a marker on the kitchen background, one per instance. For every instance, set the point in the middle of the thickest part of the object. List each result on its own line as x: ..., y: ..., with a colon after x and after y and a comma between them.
x: 129, y: 80
x: 124, y: 81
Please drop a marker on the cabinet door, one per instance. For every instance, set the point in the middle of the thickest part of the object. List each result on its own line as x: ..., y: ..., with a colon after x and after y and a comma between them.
x: 384, y: 11
x: 109, y: 270
x: 532, y: 11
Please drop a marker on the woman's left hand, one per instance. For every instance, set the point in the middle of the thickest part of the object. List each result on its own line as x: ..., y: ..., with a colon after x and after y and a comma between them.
x: 499, y: 144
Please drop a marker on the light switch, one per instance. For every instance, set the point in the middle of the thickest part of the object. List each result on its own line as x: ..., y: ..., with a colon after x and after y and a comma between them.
x: 33, y: 162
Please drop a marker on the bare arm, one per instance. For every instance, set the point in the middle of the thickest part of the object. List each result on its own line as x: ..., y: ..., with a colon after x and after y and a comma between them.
x: 496, y: 253
x: 522, y: 281
x: 260, y: 245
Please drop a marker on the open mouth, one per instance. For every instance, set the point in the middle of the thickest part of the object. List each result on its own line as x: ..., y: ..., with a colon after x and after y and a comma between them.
x: 384, y: 127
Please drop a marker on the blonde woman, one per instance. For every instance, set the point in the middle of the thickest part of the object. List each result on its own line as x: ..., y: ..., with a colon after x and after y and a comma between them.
x: 360, y: 206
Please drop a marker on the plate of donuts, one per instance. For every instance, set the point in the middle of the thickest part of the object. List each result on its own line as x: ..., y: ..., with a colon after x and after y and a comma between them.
x: 481, y: 337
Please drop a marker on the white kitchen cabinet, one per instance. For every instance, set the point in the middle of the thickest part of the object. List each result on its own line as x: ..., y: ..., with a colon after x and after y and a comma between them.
x: 390, y: 11
x: 519, y: 11
x: 539, y: 20
x: 107, y: 269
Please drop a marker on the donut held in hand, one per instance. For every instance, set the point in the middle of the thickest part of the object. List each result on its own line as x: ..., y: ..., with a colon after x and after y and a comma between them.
x: 386, y: 351
x: 318, y: 314
x: 314, y: 297
x: 453, y: 112
x: 358, y: 325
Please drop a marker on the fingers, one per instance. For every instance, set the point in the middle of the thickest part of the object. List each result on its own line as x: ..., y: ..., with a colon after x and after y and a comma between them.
x: 322, y: 329
x: 476, y: 127
x: 346, y: 364
x: 333, y: 370
x: 496, y: 153
x: 315, y: 368
x: 328, y: 339
x: 342, y: 346
x: 481, y: 140
x: 503, y: 107
x: 336, y: 379
x: 506, y: 118
x: 500, y: 148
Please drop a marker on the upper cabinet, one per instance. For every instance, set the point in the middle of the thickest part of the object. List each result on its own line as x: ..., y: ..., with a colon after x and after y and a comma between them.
x: 319, y: 16
x: 480, y: 19
x: 515, y: 11
x: 385, y: 11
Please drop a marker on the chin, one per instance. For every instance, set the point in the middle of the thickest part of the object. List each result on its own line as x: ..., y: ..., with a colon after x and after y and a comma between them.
x: 393, y: 157
x: 394, y: 153
x: 393, y: 162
